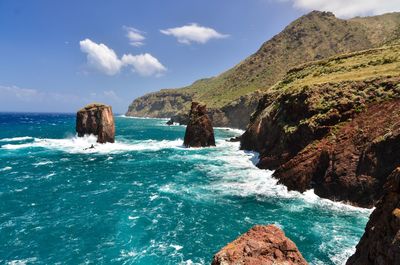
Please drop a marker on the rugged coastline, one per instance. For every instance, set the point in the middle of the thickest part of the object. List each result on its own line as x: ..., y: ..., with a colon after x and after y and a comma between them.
x: 326, y: 120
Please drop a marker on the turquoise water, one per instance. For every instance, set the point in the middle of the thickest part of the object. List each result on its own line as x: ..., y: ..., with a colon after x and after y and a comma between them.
x: 146, y: 199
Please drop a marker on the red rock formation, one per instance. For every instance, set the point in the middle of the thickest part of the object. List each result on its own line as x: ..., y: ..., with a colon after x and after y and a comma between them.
x: 199, y: 131
x: 352, y: 163
x: 261, y: 245
x: 341, y: 139
x: 380, y: 243
x: 96, y: 119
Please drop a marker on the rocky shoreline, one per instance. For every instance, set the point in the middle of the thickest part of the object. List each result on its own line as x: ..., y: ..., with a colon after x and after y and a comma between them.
x: 332, y: 125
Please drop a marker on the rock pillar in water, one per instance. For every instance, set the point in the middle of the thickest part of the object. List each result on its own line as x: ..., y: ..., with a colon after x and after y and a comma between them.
x: 96, y: 119
x: 265, y: 245
x: 199, y: 131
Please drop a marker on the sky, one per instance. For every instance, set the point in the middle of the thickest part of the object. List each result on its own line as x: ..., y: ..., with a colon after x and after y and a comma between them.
x: 57, y: 56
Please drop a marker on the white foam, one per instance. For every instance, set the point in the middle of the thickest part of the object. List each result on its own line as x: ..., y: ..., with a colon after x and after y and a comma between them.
x: 42, y: 163
x: 6, y: 168
x: 238, y: 176
x: 22, y: 261
x: 176, y: 247
x: 190, y: 262
x: 83, y: 144
x: 238, y: 131
x: 142, y: 118
x: 16, y: 139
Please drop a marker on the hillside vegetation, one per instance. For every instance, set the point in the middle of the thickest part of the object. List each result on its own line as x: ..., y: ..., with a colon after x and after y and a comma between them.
x: 315, y: 36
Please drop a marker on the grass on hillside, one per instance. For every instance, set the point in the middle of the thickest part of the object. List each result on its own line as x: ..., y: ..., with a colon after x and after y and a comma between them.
x: 373, y: 63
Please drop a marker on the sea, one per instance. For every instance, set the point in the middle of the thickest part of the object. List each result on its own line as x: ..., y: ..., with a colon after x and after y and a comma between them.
x: 146, y: 199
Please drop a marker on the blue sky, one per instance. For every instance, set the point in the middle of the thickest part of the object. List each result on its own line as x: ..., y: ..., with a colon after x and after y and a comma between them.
x: 59, y: 55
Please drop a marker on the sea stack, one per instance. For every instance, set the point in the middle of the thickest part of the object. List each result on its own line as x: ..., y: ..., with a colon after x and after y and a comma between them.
x: 96, y: 119
x: 380, y: 243
x: 199, y: 131
x: 265, y: 245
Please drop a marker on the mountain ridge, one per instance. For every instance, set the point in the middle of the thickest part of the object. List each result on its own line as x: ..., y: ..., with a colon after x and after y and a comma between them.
x: 314, y: 36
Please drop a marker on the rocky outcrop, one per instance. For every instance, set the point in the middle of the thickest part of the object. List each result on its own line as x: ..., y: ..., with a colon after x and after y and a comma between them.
x: 199, y: 131
x: 380, y: 244
x: 96, y: 119
x: 266, y: 245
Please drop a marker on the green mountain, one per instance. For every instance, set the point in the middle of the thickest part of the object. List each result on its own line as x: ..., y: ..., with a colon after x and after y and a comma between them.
x: 314, y: 36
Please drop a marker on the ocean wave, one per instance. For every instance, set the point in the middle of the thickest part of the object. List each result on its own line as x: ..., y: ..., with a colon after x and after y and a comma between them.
x: 238, y: 131
x: 16, y: 139
x: 142, y: 118
x: 5, y: 168
x: 83, y: 144
x: 234, y: 173
x: 42, y: 163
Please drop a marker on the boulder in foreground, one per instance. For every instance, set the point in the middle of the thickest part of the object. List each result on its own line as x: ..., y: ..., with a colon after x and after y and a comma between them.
x: 96, y: 119
x: 199, y: 131
x: 264, y: 245
x: 380, y: 243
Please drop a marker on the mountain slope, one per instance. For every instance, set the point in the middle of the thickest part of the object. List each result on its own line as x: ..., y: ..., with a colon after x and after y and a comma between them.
x: 314, y: 36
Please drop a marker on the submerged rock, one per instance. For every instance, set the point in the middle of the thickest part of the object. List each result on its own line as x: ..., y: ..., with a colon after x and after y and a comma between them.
x: 96, y: 119
x: 266, y: 245
x: 380, y: 243
x: 199, y: 131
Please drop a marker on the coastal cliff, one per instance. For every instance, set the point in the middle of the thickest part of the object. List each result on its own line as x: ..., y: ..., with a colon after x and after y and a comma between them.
x: 380, y: 243
x: 326, y: 124
x: 314, y: 36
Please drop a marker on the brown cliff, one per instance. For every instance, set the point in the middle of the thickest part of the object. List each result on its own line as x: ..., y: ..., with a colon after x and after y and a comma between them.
x: 261, y: 245
x: 199, y: 131
x: 352, y: 162
x: 380, y: 244
x: 332, y: 126
x: 96, y: 119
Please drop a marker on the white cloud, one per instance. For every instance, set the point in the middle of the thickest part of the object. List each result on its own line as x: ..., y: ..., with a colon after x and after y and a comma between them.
x: 105, y: 60
x: 23, y: 94
x: 101, y: 57
x: 135, y: 36
x: 193, y: 33
x: 144, y: 64
x: 349, y: 8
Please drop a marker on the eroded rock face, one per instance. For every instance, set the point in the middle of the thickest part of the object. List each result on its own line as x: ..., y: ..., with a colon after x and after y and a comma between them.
x: 380, y: 243
x: 96, y: 119
x: 199, y: 131
x: 341, y: 145
x: 353, y: 162
x: 261, y: 245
